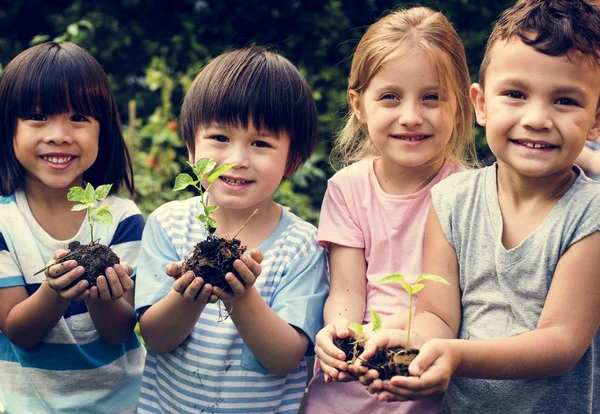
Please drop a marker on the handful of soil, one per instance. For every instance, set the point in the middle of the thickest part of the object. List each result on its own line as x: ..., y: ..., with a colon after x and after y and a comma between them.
x: 350, y: 347
x: 213, y: 258
x: 94, y: 258
x: 390, y: 362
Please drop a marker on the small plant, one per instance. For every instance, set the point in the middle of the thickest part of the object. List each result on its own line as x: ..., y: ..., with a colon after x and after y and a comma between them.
x: 214, y: 257
x: 411, y: 289
x: 204, y: 169
x: 93, y: 257
x: 353, y: 346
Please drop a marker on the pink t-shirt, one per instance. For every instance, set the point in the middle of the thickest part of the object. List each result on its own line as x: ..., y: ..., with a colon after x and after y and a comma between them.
x: 356, y: 212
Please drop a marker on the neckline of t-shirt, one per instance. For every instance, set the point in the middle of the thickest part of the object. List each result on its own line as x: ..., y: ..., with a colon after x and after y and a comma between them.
x: 39, y: 232
x: 497, y: 214
x: 417, y: 194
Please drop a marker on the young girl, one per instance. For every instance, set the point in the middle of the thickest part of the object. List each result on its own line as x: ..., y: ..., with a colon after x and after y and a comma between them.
x: 61, y: 129
x: 409, y: 126
x: 251, y: 108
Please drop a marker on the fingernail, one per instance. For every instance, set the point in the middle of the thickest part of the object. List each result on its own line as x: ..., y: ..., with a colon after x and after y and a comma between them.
x: 244, y: 258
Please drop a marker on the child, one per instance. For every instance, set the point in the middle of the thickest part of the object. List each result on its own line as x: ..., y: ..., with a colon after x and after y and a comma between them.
x: 410, y: 122
x: 518, y: 241
x: 250, y: 107
x: 61, y: 129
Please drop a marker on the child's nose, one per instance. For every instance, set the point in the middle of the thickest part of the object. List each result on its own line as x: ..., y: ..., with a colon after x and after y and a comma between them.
x: 238, y: 156
x: 58, y: 133
x: 410, y: 115
x: 536, y: 116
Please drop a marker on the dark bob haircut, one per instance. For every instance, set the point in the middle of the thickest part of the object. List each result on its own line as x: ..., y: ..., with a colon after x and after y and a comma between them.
x: 57, y: 78
x: 258, y: 87
x: 552, y: 27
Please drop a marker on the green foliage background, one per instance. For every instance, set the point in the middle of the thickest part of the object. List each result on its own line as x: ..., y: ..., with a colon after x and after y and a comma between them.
x: 152, y: 49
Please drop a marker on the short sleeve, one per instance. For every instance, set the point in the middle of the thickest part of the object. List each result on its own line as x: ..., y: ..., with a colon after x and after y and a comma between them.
x: 127, y: 238
x: 440, y: 199
x: 300, y: 295
x: 10, y: 273
x: 156, y: 252
x: 336, y: 224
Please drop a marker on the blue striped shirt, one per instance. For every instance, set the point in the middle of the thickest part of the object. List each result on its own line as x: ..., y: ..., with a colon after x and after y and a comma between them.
x: 213, y: 370
x: 72, y: 370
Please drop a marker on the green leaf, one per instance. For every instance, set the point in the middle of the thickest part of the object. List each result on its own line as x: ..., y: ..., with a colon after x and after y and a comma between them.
x: 210, y: 209
x: 203, y: 166
x: 434, y: 278
x: 102, y: 191
x: 79, y: 207
x: 201, y: 217
x: 182, y: 181
x: 102, y: 215
x: 393, y: 278
x: 217, y: 172
x: 417, y: 287
x: 76, y: 194
x: 89, y: 193
x: 377, y: 323
x: 211, y: 222
x: 357, y: 328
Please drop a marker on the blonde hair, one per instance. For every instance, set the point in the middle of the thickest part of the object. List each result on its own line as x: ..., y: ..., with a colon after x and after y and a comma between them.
x: 402, y: 31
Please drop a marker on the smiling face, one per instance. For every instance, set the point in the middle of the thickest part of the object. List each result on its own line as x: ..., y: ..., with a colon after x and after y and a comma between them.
x: 538, y: 110
x: 260, y: 159
x: 56, y: 150
x: 407, y: 121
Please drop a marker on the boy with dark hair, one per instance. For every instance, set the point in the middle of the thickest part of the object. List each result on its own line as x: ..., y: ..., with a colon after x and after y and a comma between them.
x: 518, y: 241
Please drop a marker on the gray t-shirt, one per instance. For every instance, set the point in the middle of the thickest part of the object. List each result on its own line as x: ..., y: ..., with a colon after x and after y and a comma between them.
x: 503, y: 291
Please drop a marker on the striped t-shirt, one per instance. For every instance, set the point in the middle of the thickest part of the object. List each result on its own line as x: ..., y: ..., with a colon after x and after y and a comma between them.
x: 72, y: 370
x: 213, y: 370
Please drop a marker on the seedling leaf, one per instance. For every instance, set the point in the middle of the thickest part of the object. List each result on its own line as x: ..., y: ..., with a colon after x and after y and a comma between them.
x: 435, y: 278
x: 417, y: 287
x: 89, y: 193
x: 182, y: 181
x: 211, y: 222
x: 79, y: 207
x: 217, y: 172
x: 203, y: 166
x: 357, y: 328
x: 377, y: 323
x: 76, y: 194
x: 102, y: 215
x: 102, y: 191
x: 201, y: 217
x: 393, y: 278
x: 211, y: 209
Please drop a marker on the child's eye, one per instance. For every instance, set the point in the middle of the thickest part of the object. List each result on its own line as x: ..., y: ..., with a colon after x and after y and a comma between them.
x: 219, y: 138
x: 431, y: 97
x: 388, y: 97
x: 567, y: 101
x: 78, y: 118
x: 37, y: 117
x: 261, y: 144
x: 514, y: 95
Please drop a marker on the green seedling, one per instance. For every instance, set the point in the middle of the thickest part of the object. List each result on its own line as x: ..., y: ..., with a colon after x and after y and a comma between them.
x: 358, y: 329
x: 204, y: 169
x: 411, y: 289
x: 87, y: 199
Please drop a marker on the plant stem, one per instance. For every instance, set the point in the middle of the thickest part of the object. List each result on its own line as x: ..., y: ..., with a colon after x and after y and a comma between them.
x: 246, y: 222
x: 409, y: 321
x: 89, y: 217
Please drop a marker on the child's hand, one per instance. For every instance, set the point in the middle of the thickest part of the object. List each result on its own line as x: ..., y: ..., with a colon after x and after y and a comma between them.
x: 61, y: 275
x: 113, y: 284
x: 331, y: 358
x: 189, y: 286
x: 248, y: 267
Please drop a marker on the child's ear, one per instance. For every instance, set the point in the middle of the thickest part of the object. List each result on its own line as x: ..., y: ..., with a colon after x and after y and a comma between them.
x: 478, y: 100
x: 594, y: 132
x: 354, y: 99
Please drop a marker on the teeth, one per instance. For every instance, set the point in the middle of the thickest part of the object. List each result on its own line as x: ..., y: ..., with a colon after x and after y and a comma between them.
x: 532, y: 145
x: 234, y: 182
x: 57, y: 160
x: 419, y: 138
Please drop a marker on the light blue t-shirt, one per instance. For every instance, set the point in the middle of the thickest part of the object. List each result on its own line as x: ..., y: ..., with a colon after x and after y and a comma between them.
x: 504, y: 291
x: 213, y: 370
x: 72, y: 370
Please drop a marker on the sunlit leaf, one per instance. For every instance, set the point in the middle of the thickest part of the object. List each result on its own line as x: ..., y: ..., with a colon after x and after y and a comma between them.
x: 182, y: 181
x: 78, y: 207
x: 102, y: 191
x: 102, y: 215
x: 203, y: 166
x: 357, y: 328
x: 219, y: 171
x: 89, y: 193
x: 377, y: 323
x: 76, y: 194
x: 393, y: 278
x: 417, y: 287
x: 210, y: 209
x: 435, y: 278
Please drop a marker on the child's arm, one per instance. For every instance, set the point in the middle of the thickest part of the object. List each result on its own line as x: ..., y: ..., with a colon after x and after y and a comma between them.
x: 26, y: 320
x: 273, y: 333
x: 345, y: 304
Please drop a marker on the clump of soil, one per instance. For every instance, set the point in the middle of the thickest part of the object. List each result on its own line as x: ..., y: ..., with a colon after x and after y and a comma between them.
x: 94, y: 258
x: 213, y: 258
x: 390, y: 362
x: 350, y: 346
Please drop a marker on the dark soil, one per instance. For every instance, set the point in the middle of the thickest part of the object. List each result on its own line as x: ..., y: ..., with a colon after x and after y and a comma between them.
x: 390, y: 362
x: 213, y: 258
x: 94, y: 258
x: 350, y: 347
